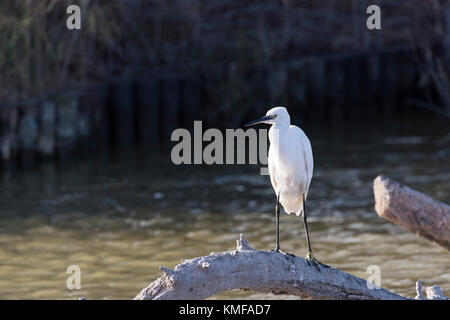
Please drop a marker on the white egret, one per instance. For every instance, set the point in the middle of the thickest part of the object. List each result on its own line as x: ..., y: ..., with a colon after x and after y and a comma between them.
x: 290, y: 168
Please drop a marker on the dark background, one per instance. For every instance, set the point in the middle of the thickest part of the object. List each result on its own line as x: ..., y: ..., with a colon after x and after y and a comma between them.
x: 139, y: 69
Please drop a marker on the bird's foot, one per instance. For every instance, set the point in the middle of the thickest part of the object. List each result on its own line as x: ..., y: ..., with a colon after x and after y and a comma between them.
x: 311, y: 259
x: 277, y: 249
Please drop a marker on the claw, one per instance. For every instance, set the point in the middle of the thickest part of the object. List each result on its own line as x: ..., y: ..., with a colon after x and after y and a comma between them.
x: 282, y: 252
x: 311, y: 259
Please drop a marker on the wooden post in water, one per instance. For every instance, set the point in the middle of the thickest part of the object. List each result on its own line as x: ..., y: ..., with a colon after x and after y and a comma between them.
x: 192, y: 100
x: 148, y: 111
x: 8, y: 144
x: 258, y: 81
x: 335, y: 86
x: 387, y: 78
x: 297, y: 90
x: 96, y: 98
x: 66, y: 126
x: 316, y: 89
x: 354, y: 88
x: 170, y: 107
x: 373, y: 78
x: 27, y: 134
x: 277, y: 79
x: 85, y: 119
x: 46, y: 135
x: 122, y: 103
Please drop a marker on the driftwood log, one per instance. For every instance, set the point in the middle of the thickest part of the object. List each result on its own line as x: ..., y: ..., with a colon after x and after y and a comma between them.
x: 268, y: 272
x: 410, y: 209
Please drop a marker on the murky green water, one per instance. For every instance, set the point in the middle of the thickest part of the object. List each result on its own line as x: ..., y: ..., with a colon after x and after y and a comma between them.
x: 120, y: 218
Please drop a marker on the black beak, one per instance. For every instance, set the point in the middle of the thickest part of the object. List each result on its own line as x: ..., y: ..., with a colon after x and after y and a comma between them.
x: 252, y: 123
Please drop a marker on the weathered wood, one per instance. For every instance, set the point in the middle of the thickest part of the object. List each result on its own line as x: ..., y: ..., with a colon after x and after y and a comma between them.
x: 410, y: 209
x: 262, y: 271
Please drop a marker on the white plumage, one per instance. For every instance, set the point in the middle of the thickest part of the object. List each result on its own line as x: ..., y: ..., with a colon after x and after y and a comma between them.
x: 290, y: 161
x: 290, y: 167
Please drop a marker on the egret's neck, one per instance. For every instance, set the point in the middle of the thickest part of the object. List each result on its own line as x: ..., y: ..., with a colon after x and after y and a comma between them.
x: 277, y: 132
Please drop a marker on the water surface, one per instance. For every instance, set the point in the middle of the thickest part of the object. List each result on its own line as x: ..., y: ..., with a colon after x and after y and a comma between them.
x: 120, y: 218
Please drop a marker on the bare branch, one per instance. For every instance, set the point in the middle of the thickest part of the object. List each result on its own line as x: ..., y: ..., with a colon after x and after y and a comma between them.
x: 410, y: 209
x: 262, y: 271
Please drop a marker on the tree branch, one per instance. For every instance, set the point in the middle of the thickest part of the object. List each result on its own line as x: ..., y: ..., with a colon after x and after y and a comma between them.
x: 262, y: 271
x: 426, y: 217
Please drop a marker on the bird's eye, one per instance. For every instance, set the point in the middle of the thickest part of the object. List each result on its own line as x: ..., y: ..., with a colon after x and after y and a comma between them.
x: 274, y: 116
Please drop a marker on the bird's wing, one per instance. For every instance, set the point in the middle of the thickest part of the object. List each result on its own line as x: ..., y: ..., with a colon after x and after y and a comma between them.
x: 273, y: 180
x: 309, y: 162
x: 306, y: 154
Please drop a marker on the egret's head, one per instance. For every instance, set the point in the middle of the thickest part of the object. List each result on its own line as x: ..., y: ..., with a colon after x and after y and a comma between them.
x: 277, y: 115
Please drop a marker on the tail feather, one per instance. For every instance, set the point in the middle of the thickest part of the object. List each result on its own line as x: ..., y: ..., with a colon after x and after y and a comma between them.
x: 300, y: 210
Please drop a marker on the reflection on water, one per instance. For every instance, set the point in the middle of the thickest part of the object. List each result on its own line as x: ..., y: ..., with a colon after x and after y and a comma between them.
x: 120, y: 219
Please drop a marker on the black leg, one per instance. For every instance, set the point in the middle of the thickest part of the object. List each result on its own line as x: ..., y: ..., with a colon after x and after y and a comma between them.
x: 277, y: 219
x: 306, y: 224
x: 309, y: 257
